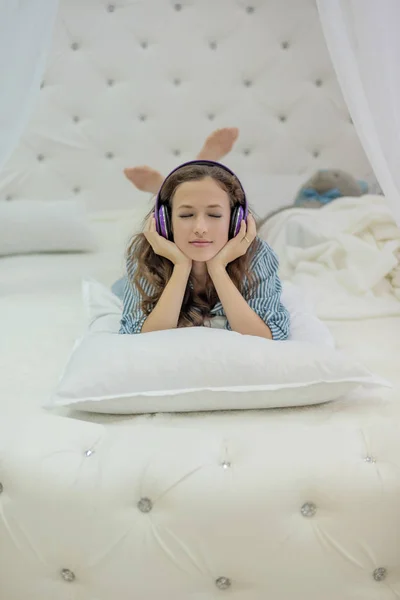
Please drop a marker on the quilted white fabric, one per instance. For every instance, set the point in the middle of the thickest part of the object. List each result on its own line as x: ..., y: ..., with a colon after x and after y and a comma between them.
x: 144, y: 82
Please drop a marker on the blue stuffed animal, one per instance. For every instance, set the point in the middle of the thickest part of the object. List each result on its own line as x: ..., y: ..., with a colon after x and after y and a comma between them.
x: 323, y: 187
x: 327, y: 185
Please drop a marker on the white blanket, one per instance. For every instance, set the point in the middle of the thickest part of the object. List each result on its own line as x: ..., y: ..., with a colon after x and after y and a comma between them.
x: 345, y: 256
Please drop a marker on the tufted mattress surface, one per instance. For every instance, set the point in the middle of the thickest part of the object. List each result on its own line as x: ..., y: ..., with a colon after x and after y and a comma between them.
x: 282, y: 503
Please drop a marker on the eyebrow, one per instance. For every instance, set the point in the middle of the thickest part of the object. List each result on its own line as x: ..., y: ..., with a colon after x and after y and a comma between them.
x: 209, y: 206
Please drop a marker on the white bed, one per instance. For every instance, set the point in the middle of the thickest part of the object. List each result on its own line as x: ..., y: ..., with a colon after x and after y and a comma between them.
x: 252, y: 503
x: 280, y: 504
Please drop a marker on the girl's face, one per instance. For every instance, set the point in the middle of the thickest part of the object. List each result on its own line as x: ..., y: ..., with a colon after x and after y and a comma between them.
x: 200, y: 218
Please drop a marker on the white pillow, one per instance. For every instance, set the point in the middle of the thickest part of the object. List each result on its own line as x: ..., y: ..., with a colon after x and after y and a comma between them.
x: 104, y: 310
x: 28, y: 226
x: 305, y: 326
x: 200, y: 368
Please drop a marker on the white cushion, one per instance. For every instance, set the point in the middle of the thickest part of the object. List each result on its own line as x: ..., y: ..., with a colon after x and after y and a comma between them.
x: 199, y: 368
x: 28, y: 226
x: 305, y: 326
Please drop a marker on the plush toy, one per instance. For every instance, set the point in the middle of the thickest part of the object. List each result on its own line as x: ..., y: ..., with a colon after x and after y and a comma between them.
x: 327, y: 185
x: 323, y: 187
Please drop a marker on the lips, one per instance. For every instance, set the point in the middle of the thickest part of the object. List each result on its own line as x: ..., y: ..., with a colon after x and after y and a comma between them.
x: 200, y: 243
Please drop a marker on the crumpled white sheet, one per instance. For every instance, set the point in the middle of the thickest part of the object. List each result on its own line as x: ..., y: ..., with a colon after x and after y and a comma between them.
x: 345, y: 256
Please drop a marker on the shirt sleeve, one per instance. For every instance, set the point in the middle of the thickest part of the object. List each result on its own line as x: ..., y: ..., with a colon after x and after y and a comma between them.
x: 265, y: 296
x: 133, y: 316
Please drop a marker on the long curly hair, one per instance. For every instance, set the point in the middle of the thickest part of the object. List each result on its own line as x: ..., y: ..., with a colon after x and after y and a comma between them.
x: 156, y: 270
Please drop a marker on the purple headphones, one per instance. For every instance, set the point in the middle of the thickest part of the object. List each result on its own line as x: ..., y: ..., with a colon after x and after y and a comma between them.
x: 162, y: 213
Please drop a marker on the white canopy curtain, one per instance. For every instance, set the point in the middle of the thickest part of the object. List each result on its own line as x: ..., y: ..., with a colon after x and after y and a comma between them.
x: 364, y: 43
x: 26, y: 28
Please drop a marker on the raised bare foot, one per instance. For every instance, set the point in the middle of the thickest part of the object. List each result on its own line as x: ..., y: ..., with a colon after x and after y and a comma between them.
x: 219, y: 143
x: 144, y: 178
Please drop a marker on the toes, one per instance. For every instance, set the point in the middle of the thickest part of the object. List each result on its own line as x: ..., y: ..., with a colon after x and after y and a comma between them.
x: 128, y: 173
x: 225, y: 134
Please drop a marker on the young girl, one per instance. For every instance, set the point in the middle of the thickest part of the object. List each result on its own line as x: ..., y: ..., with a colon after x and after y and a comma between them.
x: 199, y: 258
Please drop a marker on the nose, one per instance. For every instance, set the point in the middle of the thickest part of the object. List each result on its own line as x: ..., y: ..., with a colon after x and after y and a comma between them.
x: 200, y: 226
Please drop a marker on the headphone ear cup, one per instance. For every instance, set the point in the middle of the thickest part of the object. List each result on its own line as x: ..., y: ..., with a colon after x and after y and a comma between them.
x: 161, y: 222
x: 236, y: 220
x: 168, y: 227
x: 164, y: 222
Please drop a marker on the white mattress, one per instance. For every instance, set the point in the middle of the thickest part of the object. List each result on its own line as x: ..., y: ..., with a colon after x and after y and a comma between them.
x: 42, y: 314
x: 228, y: 493
x: 42, y: 310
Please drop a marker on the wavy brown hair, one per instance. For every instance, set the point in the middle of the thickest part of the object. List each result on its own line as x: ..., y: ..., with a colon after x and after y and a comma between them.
x: 156, y: 270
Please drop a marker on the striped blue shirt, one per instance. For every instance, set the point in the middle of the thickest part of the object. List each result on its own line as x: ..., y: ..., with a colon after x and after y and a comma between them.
x: 265, y: 298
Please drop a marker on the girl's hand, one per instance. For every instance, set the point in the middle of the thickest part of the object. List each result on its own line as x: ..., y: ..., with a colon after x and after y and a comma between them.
x: 162, y: 246
x: 235, y: 247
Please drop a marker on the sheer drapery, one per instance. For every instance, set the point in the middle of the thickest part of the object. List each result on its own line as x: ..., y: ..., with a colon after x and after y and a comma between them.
x: 364, y: 43
x: 26, y: 28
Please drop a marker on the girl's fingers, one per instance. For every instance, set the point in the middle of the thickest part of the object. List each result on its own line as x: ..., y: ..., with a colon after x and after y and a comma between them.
x: 153, y: 227
x: 251, y: 227
x: 148, y: 223
x: 242, y: 231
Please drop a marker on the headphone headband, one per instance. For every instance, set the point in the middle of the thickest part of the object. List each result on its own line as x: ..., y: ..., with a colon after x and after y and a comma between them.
x: 211, y: 163
x: 239, y: 212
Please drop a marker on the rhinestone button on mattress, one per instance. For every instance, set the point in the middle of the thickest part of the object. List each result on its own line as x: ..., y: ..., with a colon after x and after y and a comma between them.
x: 380, y: 574
x: 145, y: 505
x: 308, y: 509
x: 223, y: 583
x: 68, y: 575
x: 370, y: 459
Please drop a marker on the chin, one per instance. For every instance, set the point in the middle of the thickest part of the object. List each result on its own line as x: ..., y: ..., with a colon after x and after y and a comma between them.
x: 201, y: 255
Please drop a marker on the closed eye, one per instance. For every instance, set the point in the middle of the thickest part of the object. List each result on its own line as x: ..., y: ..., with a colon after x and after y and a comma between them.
x: 188, y: 216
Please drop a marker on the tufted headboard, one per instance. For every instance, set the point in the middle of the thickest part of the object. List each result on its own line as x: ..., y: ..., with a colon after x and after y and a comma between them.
x: 143, y: 82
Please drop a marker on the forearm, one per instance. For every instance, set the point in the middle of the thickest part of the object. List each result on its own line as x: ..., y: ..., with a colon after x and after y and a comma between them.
x: 165, y: 314
x: 240, y: 315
